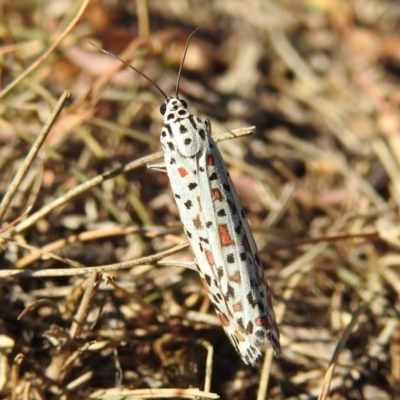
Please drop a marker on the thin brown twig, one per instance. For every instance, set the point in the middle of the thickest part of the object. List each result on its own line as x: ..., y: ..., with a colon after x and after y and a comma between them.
x: 329, y: 238
x: 92, y: 284
x: 48, y: 249
x: 87, y: 270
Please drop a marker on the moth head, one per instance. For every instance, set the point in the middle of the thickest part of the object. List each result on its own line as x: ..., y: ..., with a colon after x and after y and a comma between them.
x: 173, y: 104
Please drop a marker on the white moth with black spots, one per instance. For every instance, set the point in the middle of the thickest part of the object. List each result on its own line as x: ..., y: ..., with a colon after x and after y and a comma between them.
x: 217, y: 229
x: 216, y: 226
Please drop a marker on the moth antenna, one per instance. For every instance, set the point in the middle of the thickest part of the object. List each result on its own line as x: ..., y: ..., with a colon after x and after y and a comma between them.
x: 183, y: 60
x: 130, y: 66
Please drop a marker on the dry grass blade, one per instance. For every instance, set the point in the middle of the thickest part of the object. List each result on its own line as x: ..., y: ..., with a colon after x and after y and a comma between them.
x: 262, y: 393
x: 19, y: 176
x: 329, y: 373
x: 157, y: 394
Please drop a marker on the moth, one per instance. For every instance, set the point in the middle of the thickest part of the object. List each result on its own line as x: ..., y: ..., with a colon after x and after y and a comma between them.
x: 214, y: 221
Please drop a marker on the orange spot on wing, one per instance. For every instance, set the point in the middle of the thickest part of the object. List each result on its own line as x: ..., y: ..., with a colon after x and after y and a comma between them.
x: 210, y: 257
x: 264, y: 321
x: 224, y: 320
x: 182, y: 172
x: 210, y: 160
x: 217, y: 194
x: 226, y: 239
x: 237, y: 307
x: 235, y: 277
x: 239, y: 336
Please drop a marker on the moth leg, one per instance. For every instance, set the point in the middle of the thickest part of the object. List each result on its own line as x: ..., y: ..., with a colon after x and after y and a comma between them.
x: 159, y: 166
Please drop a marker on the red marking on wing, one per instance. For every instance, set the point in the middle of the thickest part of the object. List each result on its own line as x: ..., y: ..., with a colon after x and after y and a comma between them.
x: 264, y: 321
x: 226, y: 239
x: 210, y: 257
x: 217, y: 194
x: 235, y: 277
x: 210, y: 160
x: 237, y: 307
x: 224, y: 320
x: 182, y: 172
x: 239, y: 336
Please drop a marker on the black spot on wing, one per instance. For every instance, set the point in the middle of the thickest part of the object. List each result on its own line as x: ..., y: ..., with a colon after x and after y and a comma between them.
x: 240, y: 323
x: 232, y: 206
x: 230, y: 292
x: 168, y: 128
x: 238, y: 229
x: 213, y: 176
x: 230, y: 259
x: 192, y: 121
x: 221, y: 213
x: 182, y: 128
x: 251, y: 299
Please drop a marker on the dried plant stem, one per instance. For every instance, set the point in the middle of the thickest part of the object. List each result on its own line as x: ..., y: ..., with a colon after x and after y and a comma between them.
x: 19, y: 176
x: 87, y: 270
x: 265, y: 374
